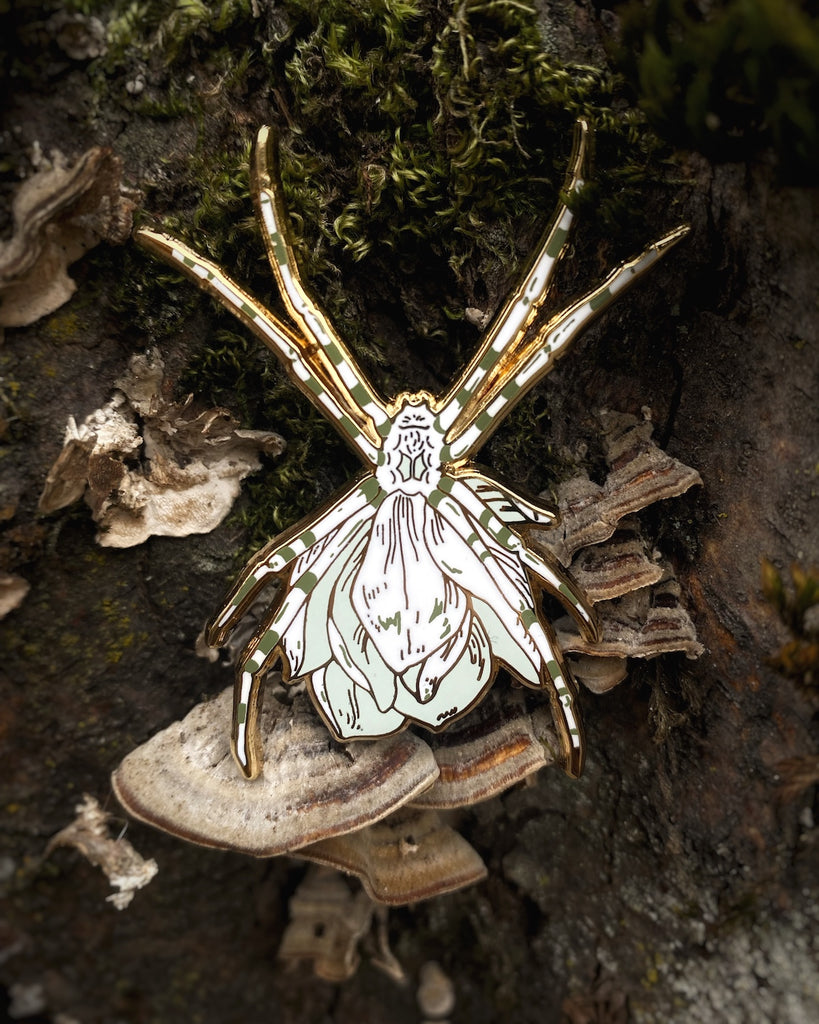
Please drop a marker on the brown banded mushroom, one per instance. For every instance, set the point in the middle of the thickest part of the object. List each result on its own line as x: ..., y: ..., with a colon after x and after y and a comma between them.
x: 618, y: 565
x: 640, y: 473
x: 184, y: 780
x: 497, y: 745
x: 642, y: 624
x: 409, y: 856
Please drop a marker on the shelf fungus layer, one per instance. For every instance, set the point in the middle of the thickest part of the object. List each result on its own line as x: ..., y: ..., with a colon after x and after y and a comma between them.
x: 498, y: 745
x: 412, y: 855
x: 184, y: 780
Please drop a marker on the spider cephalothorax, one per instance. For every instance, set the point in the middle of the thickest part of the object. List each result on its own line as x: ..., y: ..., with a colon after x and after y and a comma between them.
x: 400, y: 600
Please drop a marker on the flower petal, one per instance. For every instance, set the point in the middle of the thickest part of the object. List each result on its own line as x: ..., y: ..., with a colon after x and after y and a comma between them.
x: 457, y: 690
x: 351, y: 644
x: 305, y: 643
x: 493, y: 576
x: 349, y: 710
x: 408, y: 607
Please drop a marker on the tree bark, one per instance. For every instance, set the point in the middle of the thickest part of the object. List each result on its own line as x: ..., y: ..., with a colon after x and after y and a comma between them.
x: 674, y: 878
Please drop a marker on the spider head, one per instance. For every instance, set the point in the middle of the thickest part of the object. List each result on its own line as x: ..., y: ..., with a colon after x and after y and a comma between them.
x: 411, y: 452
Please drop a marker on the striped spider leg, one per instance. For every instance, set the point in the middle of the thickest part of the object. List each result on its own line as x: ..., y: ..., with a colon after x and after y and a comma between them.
x: 399, y: 601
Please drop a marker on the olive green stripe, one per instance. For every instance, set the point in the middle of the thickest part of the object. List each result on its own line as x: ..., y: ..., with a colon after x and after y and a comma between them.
x: 555, y: 243
x: 600, y: 299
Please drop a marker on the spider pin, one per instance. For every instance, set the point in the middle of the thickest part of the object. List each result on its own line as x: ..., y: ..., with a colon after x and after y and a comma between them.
x: 399, y: 601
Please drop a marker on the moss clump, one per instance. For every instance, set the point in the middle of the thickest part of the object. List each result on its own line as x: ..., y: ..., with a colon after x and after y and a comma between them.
x: 797, y: 605
x: 422, y: 141
x: 728, y: 77
x: 418, y: 124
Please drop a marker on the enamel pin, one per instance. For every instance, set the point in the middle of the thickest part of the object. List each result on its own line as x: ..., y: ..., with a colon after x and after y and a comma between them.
x: 399, y: 601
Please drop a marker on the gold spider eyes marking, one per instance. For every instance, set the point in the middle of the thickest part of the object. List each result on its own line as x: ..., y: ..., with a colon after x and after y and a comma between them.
x: 400, y: 599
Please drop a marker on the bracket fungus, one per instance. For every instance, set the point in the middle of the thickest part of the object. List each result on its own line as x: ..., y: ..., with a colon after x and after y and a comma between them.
x: 189, y: 467
x: 495, y: 747
x: 327, y: 921
x: 412, y: 855
x: 184, y: 780
x: 59, y: 214
x: 640, y: 473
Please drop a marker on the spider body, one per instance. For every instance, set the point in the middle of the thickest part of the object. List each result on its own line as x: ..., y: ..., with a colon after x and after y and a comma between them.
x: 399, y: 601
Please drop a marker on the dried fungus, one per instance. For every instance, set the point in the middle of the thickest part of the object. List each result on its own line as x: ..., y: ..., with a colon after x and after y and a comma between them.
x: 327, y: 922
x: 125, y: 869
x: 598, y: 674
x: 13, y: 591
x: 642, y: 624
x: 149, y: 466
x: 618, y: 565
x: 497, y: 745
x: 436, y: 993
x: 640, y: 473
x: 184, y: 780
x: 59, y: 214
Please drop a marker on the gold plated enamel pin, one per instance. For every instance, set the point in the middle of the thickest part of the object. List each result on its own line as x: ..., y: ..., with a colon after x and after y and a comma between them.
x: 399, y: 601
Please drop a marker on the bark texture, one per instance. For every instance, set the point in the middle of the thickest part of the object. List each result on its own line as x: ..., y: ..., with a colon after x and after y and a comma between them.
x: 673, y: 883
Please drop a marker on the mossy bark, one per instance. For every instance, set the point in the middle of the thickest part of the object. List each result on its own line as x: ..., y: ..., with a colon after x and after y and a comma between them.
x: 674, y: 872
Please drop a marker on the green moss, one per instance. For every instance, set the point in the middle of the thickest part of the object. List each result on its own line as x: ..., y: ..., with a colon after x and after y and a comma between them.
x: 730, y: 77
x: 795, y: 603
x: 420, y: 140
x: 459, y: 134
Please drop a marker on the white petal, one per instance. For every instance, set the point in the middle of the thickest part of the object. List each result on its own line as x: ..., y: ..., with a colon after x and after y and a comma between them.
x: 306, y: 643
x: 442, y: 661
x: 408, y: 607
x: 494, y: 577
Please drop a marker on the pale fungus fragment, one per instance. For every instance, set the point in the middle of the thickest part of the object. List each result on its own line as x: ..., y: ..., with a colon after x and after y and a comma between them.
x: 327, y: 922
x: 13, y: 591
x: 184, y: 780
x: 59, y: 214
x: 149, y: 466
x: 125, y: 869
x: 493, y: 748
x: 598, y: 674
x: 409, y: 856
x: 436, y: 993
x: 79, y: 36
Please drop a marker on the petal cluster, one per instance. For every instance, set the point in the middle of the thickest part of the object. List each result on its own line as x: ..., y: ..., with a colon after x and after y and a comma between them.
x: 415, y: 608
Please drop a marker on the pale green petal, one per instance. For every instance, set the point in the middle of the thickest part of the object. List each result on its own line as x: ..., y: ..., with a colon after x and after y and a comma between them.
x: 458, y: 690
x: 350, y: 710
